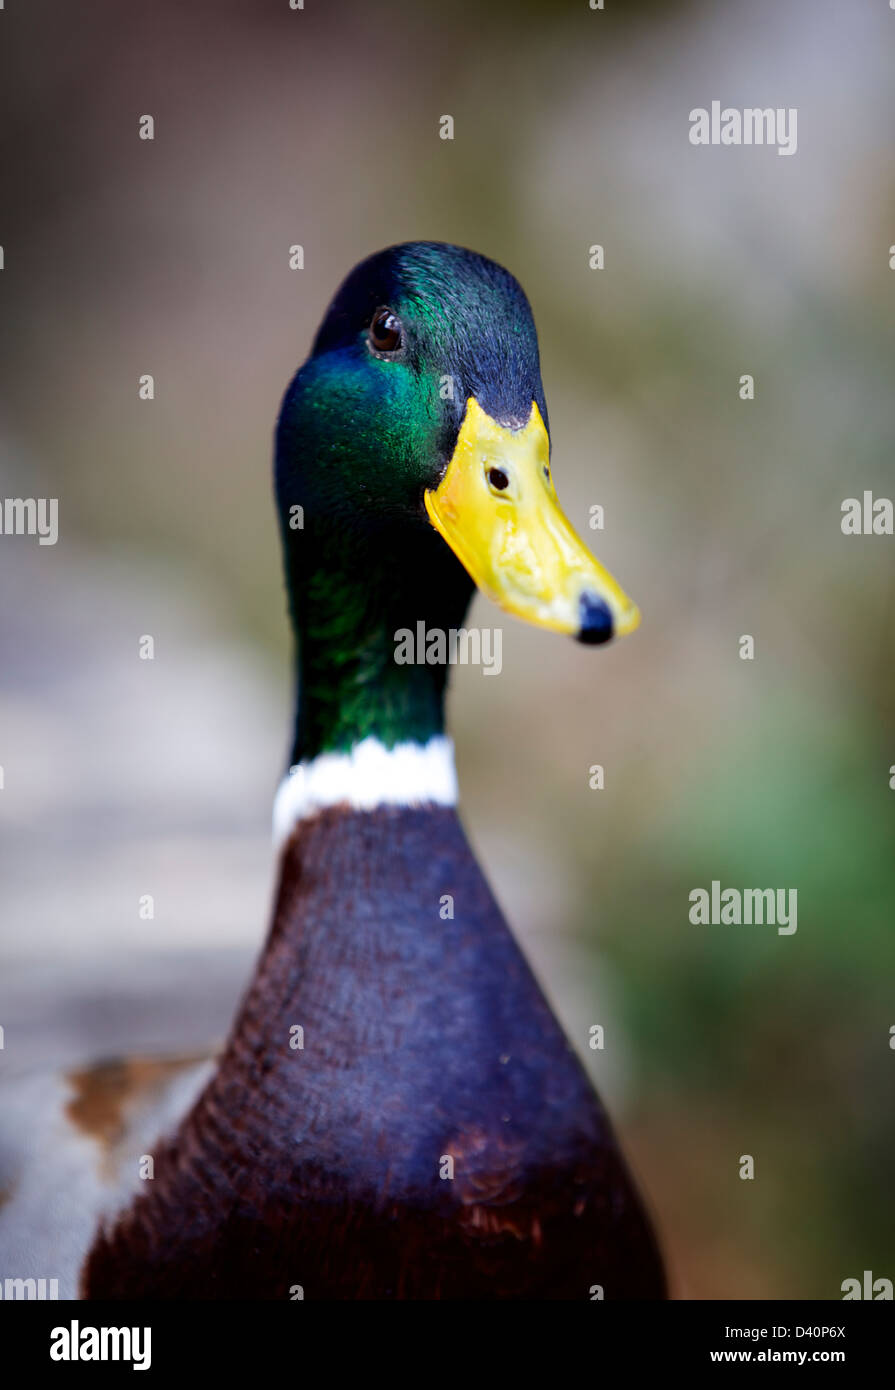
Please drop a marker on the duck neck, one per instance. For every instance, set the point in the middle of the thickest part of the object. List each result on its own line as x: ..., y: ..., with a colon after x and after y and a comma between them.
x: 351, y: 599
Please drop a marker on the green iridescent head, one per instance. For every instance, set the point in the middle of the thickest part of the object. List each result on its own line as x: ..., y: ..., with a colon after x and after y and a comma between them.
x: 412, y: 462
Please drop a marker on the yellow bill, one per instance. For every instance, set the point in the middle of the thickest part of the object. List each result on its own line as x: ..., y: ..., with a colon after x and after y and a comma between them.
x: 497, y: 509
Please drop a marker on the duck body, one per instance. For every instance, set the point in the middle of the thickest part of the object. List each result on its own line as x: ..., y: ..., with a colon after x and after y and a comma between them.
x: 434, y: 1136
x: 397, y: 1113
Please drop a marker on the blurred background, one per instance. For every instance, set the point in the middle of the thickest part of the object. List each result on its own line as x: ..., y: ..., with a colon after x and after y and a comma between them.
x: 722, y: 517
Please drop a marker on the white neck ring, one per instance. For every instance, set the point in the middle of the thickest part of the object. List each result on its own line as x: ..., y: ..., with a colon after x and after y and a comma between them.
x: 370, y: 775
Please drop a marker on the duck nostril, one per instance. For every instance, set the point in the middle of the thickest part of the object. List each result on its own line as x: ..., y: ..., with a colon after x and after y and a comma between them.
x: 497, y: 478
x: 595, y: 619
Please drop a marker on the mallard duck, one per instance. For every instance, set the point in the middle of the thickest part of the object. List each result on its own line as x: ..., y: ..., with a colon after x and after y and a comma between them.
x: 397, y: 1113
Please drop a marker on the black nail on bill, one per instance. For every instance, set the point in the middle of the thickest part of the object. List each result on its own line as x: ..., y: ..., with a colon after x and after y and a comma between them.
x: 596, y: 620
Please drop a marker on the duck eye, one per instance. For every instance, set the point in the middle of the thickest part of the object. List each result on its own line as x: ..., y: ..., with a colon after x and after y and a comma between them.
x: 386, y: 333
x: 497, y: 478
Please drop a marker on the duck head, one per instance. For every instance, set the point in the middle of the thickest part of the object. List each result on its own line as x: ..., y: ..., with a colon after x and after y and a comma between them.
x: 413, y: 463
